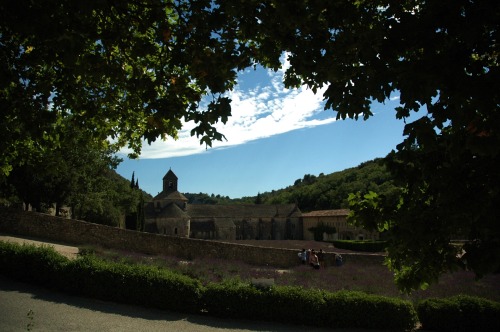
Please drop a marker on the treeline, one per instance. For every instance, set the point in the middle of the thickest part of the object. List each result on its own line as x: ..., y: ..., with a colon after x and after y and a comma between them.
x: 203, y: 198
x: 331, y: 191
x: 322, y: 192
x: 78, y: 173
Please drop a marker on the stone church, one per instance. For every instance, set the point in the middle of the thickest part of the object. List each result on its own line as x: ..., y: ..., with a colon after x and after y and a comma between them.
x: 169, y: 213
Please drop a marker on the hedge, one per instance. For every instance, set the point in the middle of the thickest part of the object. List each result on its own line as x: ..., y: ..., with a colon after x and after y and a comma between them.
x: 300, y: 306
x: 361, y: 245
x: 459, y: 313
x: 138, y: 284
x: 96, y: 278
x: 40, y: 265
x: 349, y: 309
x: 160, y: 288
x: 286, y: 304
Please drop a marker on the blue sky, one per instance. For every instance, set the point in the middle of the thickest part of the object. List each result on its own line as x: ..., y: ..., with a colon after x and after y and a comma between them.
x: 274, y: 137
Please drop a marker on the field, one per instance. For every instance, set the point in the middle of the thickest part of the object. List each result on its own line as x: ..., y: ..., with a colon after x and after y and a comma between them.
x: 367, y: 276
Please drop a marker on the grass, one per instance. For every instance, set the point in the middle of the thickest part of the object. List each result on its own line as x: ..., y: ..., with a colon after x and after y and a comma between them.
x: 368, y: 277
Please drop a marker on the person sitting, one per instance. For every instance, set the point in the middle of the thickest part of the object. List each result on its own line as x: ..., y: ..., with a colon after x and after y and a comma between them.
x: 338, y: 260
x: 321, y: 258
x: 314, y: 260
x: 303, y: 256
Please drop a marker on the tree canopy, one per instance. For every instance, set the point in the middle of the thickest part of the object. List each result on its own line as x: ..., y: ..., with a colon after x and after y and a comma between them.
x: 331, y: 191
x: 133, y: 70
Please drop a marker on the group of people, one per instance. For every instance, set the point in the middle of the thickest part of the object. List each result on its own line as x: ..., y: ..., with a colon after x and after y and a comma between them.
x: 312, y: 257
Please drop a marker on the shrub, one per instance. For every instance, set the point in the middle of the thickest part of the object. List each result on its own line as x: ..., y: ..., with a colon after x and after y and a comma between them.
x: 348, y: 309
x: 233, y: 299
x: 361, y: 245
x: 93, y: 277
x: 135, y: 284
x: 160, y: 288
x: 459, y: 313
x: 28, y: 263
x: 286, y: 304
x: 295, y: 305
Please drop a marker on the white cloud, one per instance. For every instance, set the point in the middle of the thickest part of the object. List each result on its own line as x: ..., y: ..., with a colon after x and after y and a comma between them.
x: 266, y: 109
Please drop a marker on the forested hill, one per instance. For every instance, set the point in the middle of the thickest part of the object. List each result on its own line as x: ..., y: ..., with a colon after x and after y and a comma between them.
x: 321, y: 192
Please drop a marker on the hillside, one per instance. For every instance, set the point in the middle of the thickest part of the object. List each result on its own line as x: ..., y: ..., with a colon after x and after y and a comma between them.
x: 321, y: 192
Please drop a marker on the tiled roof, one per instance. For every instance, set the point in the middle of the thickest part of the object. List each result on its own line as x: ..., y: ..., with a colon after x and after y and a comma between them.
x: 172, y: 210
x: 242, y: 211
x: 326, y: 213
x: 177, y: 196
x: 170, y: 175
x: 224, y: 223
x: 173, y: 196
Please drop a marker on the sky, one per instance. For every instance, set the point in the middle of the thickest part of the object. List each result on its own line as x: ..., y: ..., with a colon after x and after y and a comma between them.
x: 274, y: 137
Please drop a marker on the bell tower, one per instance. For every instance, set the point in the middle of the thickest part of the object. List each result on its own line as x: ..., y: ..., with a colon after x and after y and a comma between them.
x: 170, y: 182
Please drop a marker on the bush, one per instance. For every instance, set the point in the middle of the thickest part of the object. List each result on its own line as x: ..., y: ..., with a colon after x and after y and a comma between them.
x: 292, y: 305
x: 93, y: 277
x: 233, y: 299
x: 160, y: 288
x: 134, y: 284
x: 361, y: 245
x: 348, y: 309
x: 459, y: 313
x: 295, y: 305
x: 28, y: 263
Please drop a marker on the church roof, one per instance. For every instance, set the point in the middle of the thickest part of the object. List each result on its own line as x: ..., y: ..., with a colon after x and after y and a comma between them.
x: 171, y: 210
x: 326, y: 213
x: 177, y: 196
x: 224, y: 223
x: 170, y: 175
x: 242, y: 211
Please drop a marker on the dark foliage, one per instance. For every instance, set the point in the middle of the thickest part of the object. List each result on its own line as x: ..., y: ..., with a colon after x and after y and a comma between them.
x: 459, y: 313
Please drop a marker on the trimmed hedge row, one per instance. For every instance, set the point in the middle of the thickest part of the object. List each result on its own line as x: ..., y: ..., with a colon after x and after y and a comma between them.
x: 344, y: 309
x: 160, y: 288
x: 459, y: 313
x: 96, y: 278
x: 361, y: 245
x: 138, y: 284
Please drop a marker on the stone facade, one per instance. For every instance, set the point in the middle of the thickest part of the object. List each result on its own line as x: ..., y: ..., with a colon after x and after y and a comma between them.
x: 337, y: 219
x: 170, y: 214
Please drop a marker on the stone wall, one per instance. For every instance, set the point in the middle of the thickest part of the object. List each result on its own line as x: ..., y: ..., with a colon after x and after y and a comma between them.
x: 79, y: 233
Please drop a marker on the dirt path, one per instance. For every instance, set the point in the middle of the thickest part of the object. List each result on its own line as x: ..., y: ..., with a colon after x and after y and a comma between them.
x: 68, y: 251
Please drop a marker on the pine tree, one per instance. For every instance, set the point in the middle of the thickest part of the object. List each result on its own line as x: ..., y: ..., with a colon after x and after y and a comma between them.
x: 132, y: 181
x: 258, y: 199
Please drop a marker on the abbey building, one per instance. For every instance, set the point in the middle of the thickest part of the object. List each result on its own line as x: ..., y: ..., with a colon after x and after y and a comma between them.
x: 169, y: 213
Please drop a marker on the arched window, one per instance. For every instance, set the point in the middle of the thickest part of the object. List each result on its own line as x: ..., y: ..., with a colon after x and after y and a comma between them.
x: 175, y: 230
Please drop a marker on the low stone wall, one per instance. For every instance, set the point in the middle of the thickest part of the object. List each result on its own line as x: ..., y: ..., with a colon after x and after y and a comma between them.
x: 75, y: 232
